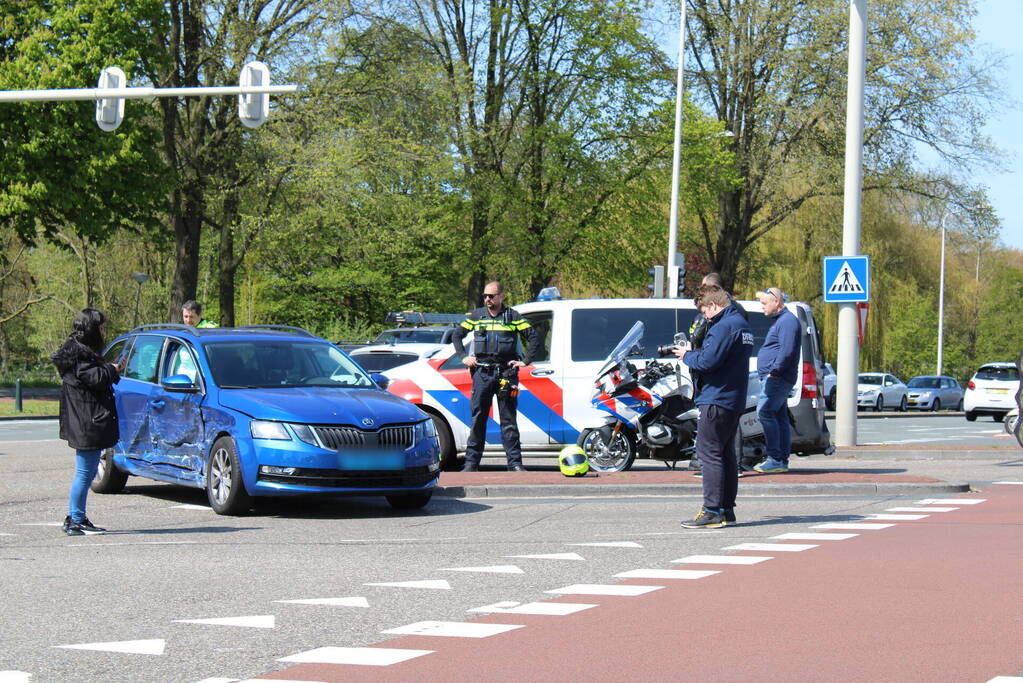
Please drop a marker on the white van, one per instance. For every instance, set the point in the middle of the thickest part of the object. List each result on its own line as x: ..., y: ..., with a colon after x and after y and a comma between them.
x: 578, y: 334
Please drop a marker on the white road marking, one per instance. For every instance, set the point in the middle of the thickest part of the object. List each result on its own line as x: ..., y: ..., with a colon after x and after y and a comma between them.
x: 609, y: 544
x: 722, y: 559
x: 276, y: 680
x: 436, y: 584
x: 666, y: 574
x: 950, y: 501
x: 255, y: 621
x: 100, y: 544
x: 771, y: 547
x: 131, y: 647
x: 813, y: 537
x: 40, y: 524
x: 452, y: 629
x: 551, y: 556
x: 602, y: 589
x: 864, y: 526
x: 1006, y: 679
x: 332, y: 602
x: 1, y: 680
x: 367, y: 656
x: 895, y: 518
x: 911, y: 509
x: 190, y: 506
x: 15, y: 676
x: 219, y: 680
x: 495, y: 569
x: 553, y: 609
x: 1009, y: 483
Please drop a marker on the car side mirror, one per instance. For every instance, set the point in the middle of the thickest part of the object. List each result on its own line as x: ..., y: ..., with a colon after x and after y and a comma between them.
x: 182, y: 383
x: 381, y: 380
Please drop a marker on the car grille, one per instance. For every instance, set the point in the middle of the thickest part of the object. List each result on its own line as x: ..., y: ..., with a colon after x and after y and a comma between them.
x: 361, y: 479
x: 337, y: 437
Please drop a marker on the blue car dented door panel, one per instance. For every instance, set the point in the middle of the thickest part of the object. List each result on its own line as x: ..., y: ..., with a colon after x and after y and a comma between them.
x: 132, y: 394
x: 176, y: 422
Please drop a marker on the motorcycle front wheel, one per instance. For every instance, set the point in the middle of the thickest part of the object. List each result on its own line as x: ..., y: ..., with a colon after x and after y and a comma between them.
x: 608, y: 451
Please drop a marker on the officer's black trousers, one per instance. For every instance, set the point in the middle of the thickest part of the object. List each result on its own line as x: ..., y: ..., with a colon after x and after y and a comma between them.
x: 485, y: 381
x: 715, y: 447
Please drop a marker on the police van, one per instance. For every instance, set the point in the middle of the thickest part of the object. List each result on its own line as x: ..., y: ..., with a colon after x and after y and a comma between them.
x: 554, y: 392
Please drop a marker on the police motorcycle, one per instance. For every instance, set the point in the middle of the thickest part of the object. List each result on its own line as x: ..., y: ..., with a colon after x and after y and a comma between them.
x: 651, y: 412
x: 650, y: 409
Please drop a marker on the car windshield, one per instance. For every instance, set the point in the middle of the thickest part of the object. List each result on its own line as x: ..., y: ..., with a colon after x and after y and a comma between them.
x: 282, y: 363
x: 871, y: 379
x: 412, y: 334
x: 378, y: 362
x: 924, y: 383
x: 1004, y: 373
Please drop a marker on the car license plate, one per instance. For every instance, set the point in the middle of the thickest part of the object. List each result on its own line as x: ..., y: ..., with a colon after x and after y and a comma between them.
x: 373, y: 461
x: 997, y: 391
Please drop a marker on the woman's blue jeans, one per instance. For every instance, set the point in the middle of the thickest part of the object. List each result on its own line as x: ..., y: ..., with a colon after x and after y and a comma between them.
x: 86, y: 466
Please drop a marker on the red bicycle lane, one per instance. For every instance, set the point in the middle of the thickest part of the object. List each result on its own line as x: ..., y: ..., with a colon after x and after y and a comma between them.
x: 924, y: 600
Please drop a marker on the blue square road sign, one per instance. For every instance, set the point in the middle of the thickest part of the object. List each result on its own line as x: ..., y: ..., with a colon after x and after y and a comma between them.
x: 846, y: 279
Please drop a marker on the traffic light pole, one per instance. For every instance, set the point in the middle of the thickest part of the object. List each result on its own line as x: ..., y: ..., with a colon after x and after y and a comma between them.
x: 848, y: 338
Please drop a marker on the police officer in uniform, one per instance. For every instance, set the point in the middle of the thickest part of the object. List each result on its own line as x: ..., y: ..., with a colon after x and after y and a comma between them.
x: 494, y: 363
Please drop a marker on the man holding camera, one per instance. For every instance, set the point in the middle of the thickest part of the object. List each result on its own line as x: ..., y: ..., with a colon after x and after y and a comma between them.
x: 723, y: 363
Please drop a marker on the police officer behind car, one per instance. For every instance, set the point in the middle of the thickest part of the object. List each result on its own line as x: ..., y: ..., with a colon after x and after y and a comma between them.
x: 494, y: 364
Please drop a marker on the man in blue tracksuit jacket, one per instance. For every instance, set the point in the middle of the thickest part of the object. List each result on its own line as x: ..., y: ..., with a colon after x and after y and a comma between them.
x: 723, y: 364
x: 777, y: 366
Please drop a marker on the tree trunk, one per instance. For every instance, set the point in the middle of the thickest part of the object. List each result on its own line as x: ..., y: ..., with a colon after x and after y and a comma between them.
x: 187, y: 234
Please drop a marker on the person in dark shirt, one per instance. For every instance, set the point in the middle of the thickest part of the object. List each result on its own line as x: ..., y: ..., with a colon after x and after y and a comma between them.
x: 777, y: 366
x: 723, y: 364
x: 494, y: 363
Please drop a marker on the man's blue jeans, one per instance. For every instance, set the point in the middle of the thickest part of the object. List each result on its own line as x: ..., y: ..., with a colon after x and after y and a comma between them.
x: 86, y: 465
x: 774, y: 416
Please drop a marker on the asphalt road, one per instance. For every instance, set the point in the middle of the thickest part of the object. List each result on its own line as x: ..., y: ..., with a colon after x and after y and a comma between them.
x: 169, y: 558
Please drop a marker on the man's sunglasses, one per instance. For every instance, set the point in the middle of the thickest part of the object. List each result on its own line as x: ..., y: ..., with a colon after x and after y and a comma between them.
x: 491, y: 296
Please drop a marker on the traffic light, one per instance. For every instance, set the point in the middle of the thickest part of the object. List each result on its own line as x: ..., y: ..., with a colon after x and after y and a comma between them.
x: 110, y: 110
x: 656, y: 287
x: 253, y: 108
x: 677, y: 278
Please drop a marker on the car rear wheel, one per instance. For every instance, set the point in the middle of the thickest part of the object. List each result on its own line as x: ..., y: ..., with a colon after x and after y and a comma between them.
x: 936, y: 406
x: 831, y: 399
x: 409, y: 501
x: 108, y: 478
x: 224, y: 486
x: 970, y: 416
x: 607, y: 450
x: 902, y: 404
x: 879, y: 404
x: 448, y: 456
x: 959, y: 406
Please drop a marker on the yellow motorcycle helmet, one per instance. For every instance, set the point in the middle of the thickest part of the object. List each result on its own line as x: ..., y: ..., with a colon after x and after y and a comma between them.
x: 572, y: 461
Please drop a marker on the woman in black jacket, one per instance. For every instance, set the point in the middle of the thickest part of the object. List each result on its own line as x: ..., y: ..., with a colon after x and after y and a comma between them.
x: 88, y: 416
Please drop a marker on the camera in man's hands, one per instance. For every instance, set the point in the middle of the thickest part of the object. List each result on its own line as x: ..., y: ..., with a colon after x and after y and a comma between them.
x: 669, y: 349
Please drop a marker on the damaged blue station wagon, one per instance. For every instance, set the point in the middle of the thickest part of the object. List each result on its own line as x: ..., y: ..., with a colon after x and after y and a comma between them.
x: 262, y: 411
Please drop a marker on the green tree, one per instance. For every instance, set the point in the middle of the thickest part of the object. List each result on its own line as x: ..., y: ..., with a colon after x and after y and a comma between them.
x: 59, y: 169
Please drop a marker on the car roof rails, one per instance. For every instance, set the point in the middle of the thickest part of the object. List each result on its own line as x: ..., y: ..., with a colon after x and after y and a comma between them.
x: 166, y: 326
x: 280, y: 328
x: 421, y: 318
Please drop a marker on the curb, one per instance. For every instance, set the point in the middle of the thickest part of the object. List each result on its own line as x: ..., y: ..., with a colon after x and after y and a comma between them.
x: 9, y: 418
x: 863, y: 415
x: 748, y: 490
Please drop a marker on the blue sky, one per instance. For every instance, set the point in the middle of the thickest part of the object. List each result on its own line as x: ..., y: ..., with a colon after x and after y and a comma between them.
x: 998, y: 26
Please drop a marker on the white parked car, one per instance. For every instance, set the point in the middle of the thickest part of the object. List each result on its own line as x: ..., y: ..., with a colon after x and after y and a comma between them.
x: 991, y: 391
x: 879, y: 390
x: 384, y: 357
x: 829, y: 380
x: 930, y: 392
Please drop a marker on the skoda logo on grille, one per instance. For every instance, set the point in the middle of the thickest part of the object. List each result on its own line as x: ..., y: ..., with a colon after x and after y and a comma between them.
x: 367, y: 421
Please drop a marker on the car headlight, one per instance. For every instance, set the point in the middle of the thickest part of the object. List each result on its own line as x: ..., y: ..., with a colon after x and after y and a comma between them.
x: 263, y: 429
x: 305, y: 434
x: 426, y: 430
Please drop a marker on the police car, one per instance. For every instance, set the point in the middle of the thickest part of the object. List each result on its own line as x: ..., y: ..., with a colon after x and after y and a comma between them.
x: 554, y: 396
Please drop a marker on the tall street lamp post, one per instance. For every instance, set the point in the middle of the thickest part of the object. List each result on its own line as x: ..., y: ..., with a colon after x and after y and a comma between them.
x: 140, y: 279
x: 676, y: 155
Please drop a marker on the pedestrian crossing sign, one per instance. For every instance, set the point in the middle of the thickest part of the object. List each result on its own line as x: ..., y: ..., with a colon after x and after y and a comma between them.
x: 846, y: 279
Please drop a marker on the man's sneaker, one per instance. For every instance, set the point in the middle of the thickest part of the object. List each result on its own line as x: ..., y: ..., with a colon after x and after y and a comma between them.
x: 772, y: 466
x: 729, y: 517
x: 90, y: 528
x: 71, y: 528
x: 470, y: 467
x: 705, y: 520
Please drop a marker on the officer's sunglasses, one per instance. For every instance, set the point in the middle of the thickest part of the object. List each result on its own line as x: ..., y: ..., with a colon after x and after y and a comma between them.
x: 491, y: 296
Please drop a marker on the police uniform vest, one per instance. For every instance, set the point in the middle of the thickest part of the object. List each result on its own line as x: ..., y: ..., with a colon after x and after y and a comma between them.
x: 494, y: 339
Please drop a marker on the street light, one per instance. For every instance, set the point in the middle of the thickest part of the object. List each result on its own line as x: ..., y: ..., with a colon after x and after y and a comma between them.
x: 140, y: 279
x: 941, y: 295
x: 676, y: 154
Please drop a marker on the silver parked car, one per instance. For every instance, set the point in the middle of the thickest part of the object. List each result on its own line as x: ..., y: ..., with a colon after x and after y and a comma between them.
x: 829, y: 380
x: 879, y: 390
x: 931, y: 392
